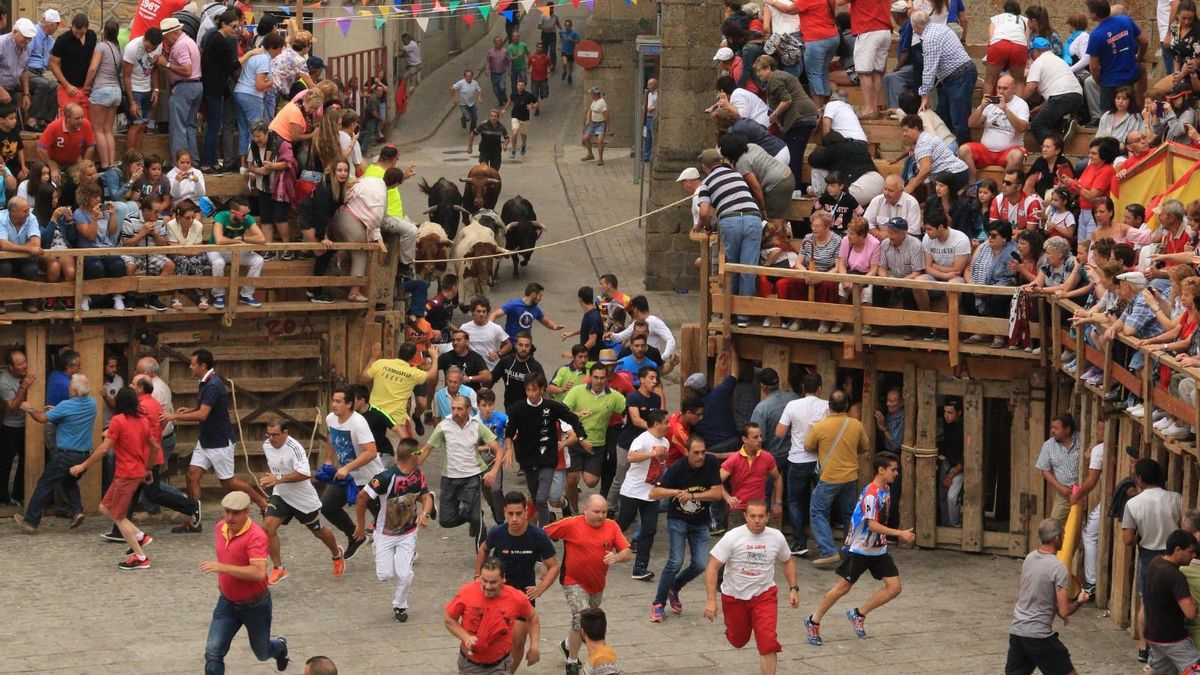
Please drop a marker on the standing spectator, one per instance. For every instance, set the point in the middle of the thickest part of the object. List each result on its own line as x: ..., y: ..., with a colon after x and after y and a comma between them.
x: 1149, y: 518
x: 747, y: 104
x: 1004, y: 119
x: 836, y: 440
x: 1170, y: 608
x: 466, y: 94
x: 770, y: 180
x: 1117, y: 48
x: 725, y: 197
x: 649, y: 112
x: 288, y: 67
x: 950, y: 471
x: 569, y: 38
x: 412, y: 61
x: 137, y: 69
x: 183, y: 64
x: 1040, y: 27
x: 595, y: 125
x: 15, y: 381
x: 1059, y: 463
x: 15, y: 52
x: 1060, y: 90
x: 1008, y: 46
x: 103, y: 81
x: 951, y: 69
x: 492, y: 138
x: 69, y: 60
x: 768, y: 414
x: 497, y: 63
x: 871, y: 25
x: 43, y: 105
x: 549, y: 26
x: 218, y: 65
x: 249, y: 93
x: 792, y: 111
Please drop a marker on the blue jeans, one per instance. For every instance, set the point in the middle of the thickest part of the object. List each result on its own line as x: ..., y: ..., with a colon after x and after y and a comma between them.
x: 825, y: 498
x: 954, y: 101
x: 741, y: 235
x: 682, y: 535
x: 1168, y: 61
x: 631, y: 508
x: 518, y: 75
x: 471, y: 115
x: 648, y: 139
x: 418, y: 293
x: 228, y: 618
x: 498, y: 90
x: 800, y: 481
x: 796, y: 139
x: 185, y: 106
x: 817, y: 56
x: 212, y: 129
x: 249, y: 110
x: 894, y: 84
x: 58, y: 472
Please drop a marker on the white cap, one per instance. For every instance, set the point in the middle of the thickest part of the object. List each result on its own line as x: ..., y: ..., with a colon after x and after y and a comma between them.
x: 25, y: 27
x: 900, y: 7
x: 723, y: 54
x: 1135, y: 278
x: 690, y: 173
x: 51, y: 16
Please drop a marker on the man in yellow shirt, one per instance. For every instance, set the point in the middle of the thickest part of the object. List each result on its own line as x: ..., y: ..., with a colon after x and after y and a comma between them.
x: 394, y: 382
x: 385, y: 169
x: 837, y: 440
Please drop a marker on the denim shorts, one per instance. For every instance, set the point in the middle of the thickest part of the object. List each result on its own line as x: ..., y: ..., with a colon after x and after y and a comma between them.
x: 143, y: 99
x: 109, y: 97
x: 595, y: 129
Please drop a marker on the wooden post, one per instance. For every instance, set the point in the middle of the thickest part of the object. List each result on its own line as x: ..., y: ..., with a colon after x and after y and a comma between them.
x: 372, y: 283
x: 78, y: 314
x: 1020, y: 521
x: 870, y: 399
x: 827, y: 369
x: 776, y: 355
x: 231, y: 292
x: 972, y: 509
x: 1149, y: 374
x: 1055, y: 333
x: 925, y: 480
x: 1103, y: 490
x: 953, y: 301
x: 1120, y: 603
x: 727, y: 284
x: 907, y: 461
x: 89, y: 342
x: 35, y: 446
x: 856, y: 300
x: 705, y: 283
x: 1036, y: 484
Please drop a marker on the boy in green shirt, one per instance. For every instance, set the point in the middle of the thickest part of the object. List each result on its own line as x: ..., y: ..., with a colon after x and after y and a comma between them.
x: 595, y: 404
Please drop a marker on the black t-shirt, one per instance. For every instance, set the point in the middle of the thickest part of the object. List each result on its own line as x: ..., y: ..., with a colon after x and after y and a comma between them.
x: 1045, y: 179
x: 521, y: 101
x: 644, y: 404
x: 491, y: 138
x: 472, y: 364
x: 593, y: 325
x: 521, y: 555
x: 76, y: 56
x: 1165, y: 587
x: 218, y: 62
x: 681, y: 476
x: 841, y: 208
x: 951, y: 445
x: 10, y: 146
x: 513, y: 374
x: 379, y: 425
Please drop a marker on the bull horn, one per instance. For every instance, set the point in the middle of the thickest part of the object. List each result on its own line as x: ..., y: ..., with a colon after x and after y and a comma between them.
x: 493, y: 180
x: 510, y: 226
x: 538, y: 224
x: 462, y: 180
x: 463, y: 210
x: 429, y: 210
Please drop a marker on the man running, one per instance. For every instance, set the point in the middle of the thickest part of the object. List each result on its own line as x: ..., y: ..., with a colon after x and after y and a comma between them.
x: 520, y: 313
x: 353, y: 459
x: 867, y: 546
x: 748, y: 592
x: 535, y: 439
x: 214, y: 447
x: 515, y: 369
x: 486, y: 615
x: 485, y: 337
x: 407, y: 504
x: 377, y: 420
x: 245, y: 600
x: 595, y: 404
x: 520, y: 547
x: 591, y: 544
x: 395, y: 382
x: 647, y: 456
x: 292, y: 496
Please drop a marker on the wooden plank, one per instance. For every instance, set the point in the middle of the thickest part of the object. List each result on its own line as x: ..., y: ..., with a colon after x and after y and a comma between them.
x: 692, y: 352
x: 908, y: 463
x: 925, y: 481
x: 953, y: 341
x: 1019, y: 503
x: 1102, y: 495
x: 335, y: 349
x: 776, y: 356
x: 856, y: 327
x: 972, y: 509
x: 354, y: 349
x: 870, y: 402
x: 35, y: 436
x: 89, y: 342
x: 827, y: 369
x: 308, y: 349
x: 1122, y: 556
x: 1036, y: 484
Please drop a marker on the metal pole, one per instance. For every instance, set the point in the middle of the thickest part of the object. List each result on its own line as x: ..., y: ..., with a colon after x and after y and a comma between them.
x: 638, y: 86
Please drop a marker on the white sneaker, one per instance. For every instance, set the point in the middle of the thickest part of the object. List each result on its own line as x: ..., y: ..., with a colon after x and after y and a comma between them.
x: 795, y: 327
x: 1164, y: 423
x: 1158, y: 415
x: 119, y: 302
x: 1177, y: 431
x: 786, y: 324
x: 836, y: 327
x: 1138, y: 410
x: 767, y: 323
x: 823, y: 327
x: 85, y: 304
x: 798, y: 194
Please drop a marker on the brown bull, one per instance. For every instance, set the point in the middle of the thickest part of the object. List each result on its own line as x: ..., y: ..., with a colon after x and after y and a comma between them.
x: 481, y: 189
x: 433, y: 246
x: 475, y: 276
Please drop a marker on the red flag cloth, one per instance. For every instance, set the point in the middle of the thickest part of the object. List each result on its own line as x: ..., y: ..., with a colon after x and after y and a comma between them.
x: 402, y: 97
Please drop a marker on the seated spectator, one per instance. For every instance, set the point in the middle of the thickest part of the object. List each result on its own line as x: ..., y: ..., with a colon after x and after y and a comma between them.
x: 145, y: 228
x: 96, y: 228
x: 857, y: 254
x: 1137, y: 148
x: 1040, y: 27
x: 981, y: 208
x: 958, y: 209
x: 1179, y: 45
x: 728, y: 120
x: 1013, y: 204
x: 894, y: 202
x: 186, y: 181
x: 1057, y: 220
x: 904, y: 75
x: 1055, y: 269
x: 778, y: 252
x: 1118, y: 122
x: 1004, y: 119
x: 117, y: 181
x: 1050, y: 168
x: 1095, y: 319
x: 1171, y: 312
x: 1165, y: 118
x: 851, y: 158
x: 152, y: 185
x: 185, y: 229
x: 50, y: 215
x: 747, y: 103
x: 770, y: 181
x: 28, y: 189
x: 65, y: 141
x: 1098, y: 180
x: 1183, y: 385
x: 1062, y: 94
x: 946, y: 254
x: 990, y: 267
x: 20, y: 233
x: 900, y: 257
x: 236, y: 226
x: 819, y: 252
x: 841, y: 206
x: 930, y: 157
x: 83, y: 171
x: 792, y: 111
x: 1137, y: 321
x: 1008, y: 46
x: 1029, y: 248
x: 1123, y: 232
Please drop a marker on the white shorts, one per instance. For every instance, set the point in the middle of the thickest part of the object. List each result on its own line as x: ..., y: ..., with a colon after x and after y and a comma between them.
x: 516, y: 125
x: 219, y: 459
x: 871, y: 50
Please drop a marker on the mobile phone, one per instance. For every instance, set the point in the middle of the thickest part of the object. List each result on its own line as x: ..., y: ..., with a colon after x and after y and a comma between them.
x: 1016, y: 256
x: 993, y: 99
x: 1159, y: 264
x: 1160, y: 108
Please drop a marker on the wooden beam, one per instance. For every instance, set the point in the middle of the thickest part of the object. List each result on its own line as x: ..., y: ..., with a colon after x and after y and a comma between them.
x: 776, y: 356
x: 925, y: 482
x: 1019, y: 503
x: 35, y: 445
x: 953, y: 335
x: 89, y: 342
x: 972, y: 509
x: 870, y: 402
x: 335, y: 349
x: 827, y: 369
x: 908, y: 464
x: 1036, y: 484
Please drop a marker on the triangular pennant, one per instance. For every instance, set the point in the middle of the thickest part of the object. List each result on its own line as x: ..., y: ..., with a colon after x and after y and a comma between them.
x: 526, y: 4
x: 437, y: 6
x: 493, y: 3
x: 423, y: 22
x: 323, y: 22
x: 364, y: 12
x: 379, y: 23
x: 504, y: 4
x: 285, y: 9
x: 591, y: 4
x: 344, y: 24
x: 545, y: 10
x: 383, y: 10
x: 508, y: 15
x: 484, y: 11
x: 453, y: 4
x: 575, y: 3
x: 348, y: 10
x: 468, y: 19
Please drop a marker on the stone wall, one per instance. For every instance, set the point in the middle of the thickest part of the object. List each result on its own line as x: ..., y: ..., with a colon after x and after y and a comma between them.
x: 615, y: 26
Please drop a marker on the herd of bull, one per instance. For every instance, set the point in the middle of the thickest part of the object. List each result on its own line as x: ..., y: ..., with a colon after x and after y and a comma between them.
x: 484, y: 235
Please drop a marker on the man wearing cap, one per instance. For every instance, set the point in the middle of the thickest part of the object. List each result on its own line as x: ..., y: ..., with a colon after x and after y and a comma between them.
x: 900, y: 257
x: 766, y: 415
x: 69, y: 61
x: 1052, y: 78
x: 245, y: 600
x: 595, y: 124
x: 42, y: 86
x: 725, y: 198
x: 732, y: 65
x: 183, y: 66
x: 14, y: 56
x: 1139, y: 320
x: 950, y: 68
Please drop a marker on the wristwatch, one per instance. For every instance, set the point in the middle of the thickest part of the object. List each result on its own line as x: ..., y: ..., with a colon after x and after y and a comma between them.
x: 794, y: 588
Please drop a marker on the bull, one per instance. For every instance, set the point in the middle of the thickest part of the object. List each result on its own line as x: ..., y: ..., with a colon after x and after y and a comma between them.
x: 477, y: 275
x: 433, y: 247
x: 443, y: 196
x: 521, y: 230
x: 481, y: 190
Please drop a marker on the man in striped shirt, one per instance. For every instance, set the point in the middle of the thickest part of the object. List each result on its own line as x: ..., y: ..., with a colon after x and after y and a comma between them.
x: 725, y: 197
x: 950, y: 68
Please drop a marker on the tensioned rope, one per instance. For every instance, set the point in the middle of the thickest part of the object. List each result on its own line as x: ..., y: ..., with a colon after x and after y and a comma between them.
x: 564, y: 241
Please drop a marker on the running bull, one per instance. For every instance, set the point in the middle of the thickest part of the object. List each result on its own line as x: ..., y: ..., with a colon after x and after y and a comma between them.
x: 481, y: 190
x: 444, y: 201
x: 476, y: 275
x: 521, y: 231
x: 433, y: 248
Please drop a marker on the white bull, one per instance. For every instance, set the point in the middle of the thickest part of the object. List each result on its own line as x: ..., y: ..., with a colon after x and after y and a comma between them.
x: 475, y: 276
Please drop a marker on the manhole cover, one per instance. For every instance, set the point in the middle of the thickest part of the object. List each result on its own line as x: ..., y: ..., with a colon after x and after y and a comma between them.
x: 454, y: 152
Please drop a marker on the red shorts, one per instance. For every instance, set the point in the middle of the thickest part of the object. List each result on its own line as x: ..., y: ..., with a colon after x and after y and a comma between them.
x: 64, y: 98
x: 759, y: 614
x: 1007, y: 55
x: 119, y: 495
x: 985, y: 158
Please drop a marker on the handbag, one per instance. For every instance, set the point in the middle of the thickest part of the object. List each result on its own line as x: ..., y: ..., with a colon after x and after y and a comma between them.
x: 788, y: 48
x: 836, y: 439
x: 123, y: 106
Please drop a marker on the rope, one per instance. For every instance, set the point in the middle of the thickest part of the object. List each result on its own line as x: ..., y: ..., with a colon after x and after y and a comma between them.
x: 564, y: 241
x: 920, y: 453
x: 237, y: 416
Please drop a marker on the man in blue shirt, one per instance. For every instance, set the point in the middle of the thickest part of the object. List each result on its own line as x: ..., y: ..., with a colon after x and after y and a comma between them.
x: 636, y: 360
x: 591, y: 326
x: 1118, y: 49
x: 569, y: 38
x: 20, y: 233
x: 74, y: 420
x: 58, y: 382
x: 908, y: 63
x: 521, y: 312
x: 43, y: 91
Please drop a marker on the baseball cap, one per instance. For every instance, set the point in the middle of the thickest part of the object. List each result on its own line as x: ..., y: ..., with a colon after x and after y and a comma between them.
x: 236, y: 501
x: 315, y: 63
x: 690, y: 173
x: 1039, y: 43
x: 1181, y: 89
x: 51, y: 16
x: 709, y: 155
x: 25, y: 27
x: 1135, y: 278
x: 900, y: 7
x: 723, y: 54
x: 696, y: 381
x: 597, y: 90
x: 169, y: 24
x: 767, y: 377
x: 898, y: 223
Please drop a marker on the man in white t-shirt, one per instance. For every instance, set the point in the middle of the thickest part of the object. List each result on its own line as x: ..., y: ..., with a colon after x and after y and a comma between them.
x: 487, y: 339
x: 798, y: 417
x: 1091, y: 529
x: 289, y: 479
x: 745, y: 102
x: 1052, y: 78
x: 137, y: 63
x: 647, y: 454
x: 1150, y: 516
x: 748, y: 592
x: 353, y: 456
x: 1004, y: 119
x: 946, y: 254
x: 595, y: 126
x: 840, y: 117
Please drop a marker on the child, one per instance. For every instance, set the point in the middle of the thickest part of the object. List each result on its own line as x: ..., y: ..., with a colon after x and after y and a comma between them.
x: 495, y: 421
x: 186, y: 181
x: 38, y: 174
x: 187, y: 230
x: 440, y: 310
x: 593, y: 626
x: 152, y: 184
x: 146, y: 229
x: 256, y: 159
x: 839, y: 203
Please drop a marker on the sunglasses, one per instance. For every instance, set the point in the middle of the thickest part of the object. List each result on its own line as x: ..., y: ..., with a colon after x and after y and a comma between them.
x: 1009, y: 182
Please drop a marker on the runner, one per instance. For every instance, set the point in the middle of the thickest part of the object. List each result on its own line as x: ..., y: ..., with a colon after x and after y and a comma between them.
x: 595, y: 404
x: 647, y: 456
x: 515, y: 369
x: 572, y: 373
x: 486, y: 338
x: 292, y: 496
x: 395, y: 382
x: 245, y: 600
x: 377, y: 420
x: 407, y: 505
x: 593, y: 625
x: 591, y: 544
x: 485, y: 614
x: 866, y: 543
x: 534, y: 438
x: 748, y: 592
x: 520, y: 547
x: 496, y: 421
x: 351, y: 460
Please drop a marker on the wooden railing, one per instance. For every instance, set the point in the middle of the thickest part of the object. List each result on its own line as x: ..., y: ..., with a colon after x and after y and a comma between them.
x: 361, y: 65
x: 276, y: 276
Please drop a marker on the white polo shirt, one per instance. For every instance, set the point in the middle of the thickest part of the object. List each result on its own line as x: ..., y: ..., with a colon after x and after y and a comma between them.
x: 801, y: 415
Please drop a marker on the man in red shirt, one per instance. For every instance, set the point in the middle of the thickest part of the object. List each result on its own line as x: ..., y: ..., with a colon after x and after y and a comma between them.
x: 539, y: 74
x: 591, y: 544
x: 154, y: 491
x: 241, y: 569
x: 1013, y: 205
x: 483, y: 614
x: 747, y: 471
x: 65, y: 141
x: 149, y: 13
x: 679, y: 428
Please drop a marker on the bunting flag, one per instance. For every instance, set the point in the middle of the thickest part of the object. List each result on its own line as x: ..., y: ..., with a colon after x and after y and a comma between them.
x: 423, y: 23
x: 285, y: 9
x: 508, y: 15
x: 364, y: 12
x: 526, y: 4
x: 575, y: 3
x: 453, y: 4
x: 379, y: 23
x: 437, y: 6
x: 344, y: 24
x: 545, y: 10
x: 324, y: 22
x: 484, y: 11
x: 468, y: 19
x: 348, y: 10
x: 591, y: 4
x: 493, y: 3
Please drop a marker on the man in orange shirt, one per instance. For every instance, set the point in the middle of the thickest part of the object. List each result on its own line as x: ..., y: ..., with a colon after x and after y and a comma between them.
x: 483, y: 615
x: 591, y: 544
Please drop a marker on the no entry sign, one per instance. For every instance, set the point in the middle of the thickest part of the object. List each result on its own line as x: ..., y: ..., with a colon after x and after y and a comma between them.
x: 588, y: 54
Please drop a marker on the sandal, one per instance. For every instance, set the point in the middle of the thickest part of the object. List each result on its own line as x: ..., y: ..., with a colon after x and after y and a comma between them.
x: 203, y: 304
x: 176, y: 303
x: 356, y: 297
